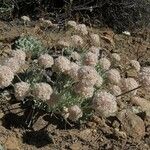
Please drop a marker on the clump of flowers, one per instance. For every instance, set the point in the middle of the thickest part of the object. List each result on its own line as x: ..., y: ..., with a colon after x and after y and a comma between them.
x: 76, y: 41
x: 94, y: 50
x: 95, y: 40
x: 135, y: 65
x: 63, y: 43
x: 83, y: 90
x: 129, y: 84
x: 81, y: 28
x: 114, y: 76
x: 104, y: 103
x: 87, y: 75
x: 90, y: 59
x: 46, y: 61
x: 6, y: 76
x: 62, y: 64
x: 104, y: 63
x: 115, y: 89
x: 42, y: 91
x: 73, y: 71
x: 22, y: 90
x: 73, y: 83
x: 13, y: 64
x: 19, y: 55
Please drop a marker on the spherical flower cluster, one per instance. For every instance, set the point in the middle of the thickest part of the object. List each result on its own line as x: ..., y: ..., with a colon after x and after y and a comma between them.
x: 13, y: 64
x: 72, y: 24
x: 95, y: 40
x: 104, y: 103
x: 42, y: 91
x: 6, y: 76
x: 99, y: 81
x: 73, y: 72
x: 145, y: 78
x: 81, y: 28
x: 75, y: 56
x: 116, y: 57
x: 74, y: 113
x: 84, y: 91
x: 22, y: 90
x: 46, y: 61
x: 113, y: 76
x: 62, y: 64
x: 129, y: 84
x: 135, y: 64
x: 87, y: 75
x: 77, y: 41
x: 63, y: 44
x: 104, y: 63
x: 19, y: 55
x: 90, y: 59
x: 94, y: 50
x: 115, y: 90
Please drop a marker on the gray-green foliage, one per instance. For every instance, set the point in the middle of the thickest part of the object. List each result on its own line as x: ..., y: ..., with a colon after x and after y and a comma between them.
x: 30, y: 45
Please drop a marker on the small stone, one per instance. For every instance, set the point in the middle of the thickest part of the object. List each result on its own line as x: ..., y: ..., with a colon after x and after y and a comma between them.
x: 86, y: 134
x: 76, y: 146
x: 12, y: 143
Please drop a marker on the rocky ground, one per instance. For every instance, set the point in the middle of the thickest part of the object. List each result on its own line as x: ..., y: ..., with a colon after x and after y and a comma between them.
x: 129, y: 129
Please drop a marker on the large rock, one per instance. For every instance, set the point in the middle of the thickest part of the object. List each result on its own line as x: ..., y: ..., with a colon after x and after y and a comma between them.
x: 131, y: 124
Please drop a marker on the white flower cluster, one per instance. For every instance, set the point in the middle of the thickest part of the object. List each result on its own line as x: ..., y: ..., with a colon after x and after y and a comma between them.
x: 46, y: 61
x: 88, y: 78
x: 22, y: 90
x: 135, y: 65
x: 62, y: 64
x: 6, y: 76
x: 95, y: 40
x: 129, y: 84
x: 113, y: 76
x: 10, y: 67
x: 90, y: 59
x: 104, y: 103
x: 42, y: 91
x: 104, y: 63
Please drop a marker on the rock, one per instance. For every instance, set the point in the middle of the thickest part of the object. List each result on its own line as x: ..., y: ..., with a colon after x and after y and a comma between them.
x: 143, y: 103
x: 85, y: 134
x: 12, y: 143
x: 76, y: 146
x: 39, y: 124
x: 131, y: 124
x: 109, y: 40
